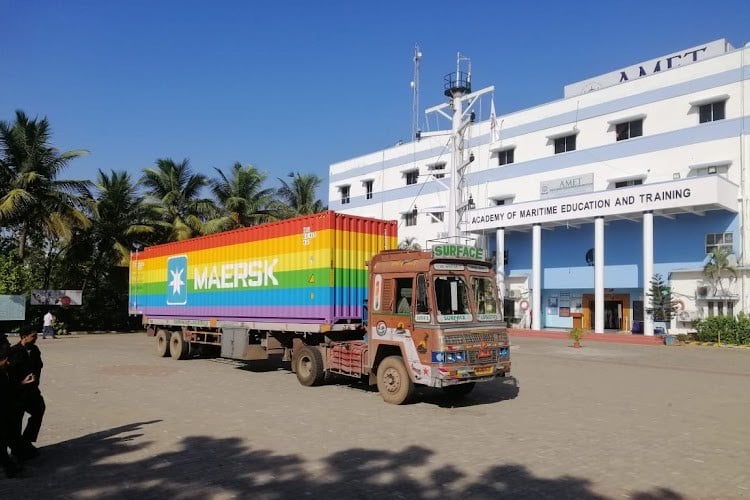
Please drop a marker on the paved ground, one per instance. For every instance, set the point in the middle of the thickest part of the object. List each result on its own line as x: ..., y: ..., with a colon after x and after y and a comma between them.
x: 605, y: 421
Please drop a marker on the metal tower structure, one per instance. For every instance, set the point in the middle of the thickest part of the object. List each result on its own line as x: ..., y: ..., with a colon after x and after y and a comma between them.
x: 457, y: 86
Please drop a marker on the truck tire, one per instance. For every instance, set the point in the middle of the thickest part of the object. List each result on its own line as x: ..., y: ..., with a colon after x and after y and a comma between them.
x: 459, y: 390
x: 394, y: 383
x: 309, y: 367
x: 178, y: 347
x: 162, y: 343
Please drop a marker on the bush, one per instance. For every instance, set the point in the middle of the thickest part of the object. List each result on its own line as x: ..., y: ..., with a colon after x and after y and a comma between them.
x: 725, y: 329
x: 576, y: 335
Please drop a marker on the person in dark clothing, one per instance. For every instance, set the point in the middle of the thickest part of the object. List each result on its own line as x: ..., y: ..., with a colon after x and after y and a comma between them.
x: 25, y: 361
x: 10, y: 409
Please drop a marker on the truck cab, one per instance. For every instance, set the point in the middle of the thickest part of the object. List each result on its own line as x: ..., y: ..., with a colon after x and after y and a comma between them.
x: 434, y: 320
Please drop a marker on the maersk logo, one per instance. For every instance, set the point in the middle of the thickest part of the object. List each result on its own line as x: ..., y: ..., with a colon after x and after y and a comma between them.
x: 248, y: 274
x: 177, y: 280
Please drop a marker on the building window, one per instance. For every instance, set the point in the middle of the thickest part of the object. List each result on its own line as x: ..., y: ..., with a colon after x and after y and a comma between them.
x: 628, y: 183
x: 437, y: 170
x: 411, y: 176
x: 719, y: 240
x: 368, y: 189
x: 344, y: 190
x: 437, y: 217
x: 717, y: 308
x: 629, y: 130
x: 712, y: 170
x: 505, y: 157
x: 502, y: 201
x: 567, y: 143
x: 712, y: 111
x: 410, y: 218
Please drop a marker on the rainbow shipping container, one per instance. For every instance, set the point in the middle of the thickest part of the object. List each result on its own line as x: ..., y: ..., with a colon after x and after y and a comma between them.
x: 309, y: 269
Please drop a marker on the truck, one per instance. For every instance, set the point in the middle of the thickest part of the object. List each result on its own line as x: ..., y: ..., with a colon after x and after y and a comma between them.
x: 329, y: 293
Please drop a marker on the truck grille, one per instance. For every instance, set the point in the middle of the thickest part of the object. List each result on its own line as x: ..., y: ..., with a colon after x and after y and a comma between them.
x: 473, y: 357
x: 476, y: 338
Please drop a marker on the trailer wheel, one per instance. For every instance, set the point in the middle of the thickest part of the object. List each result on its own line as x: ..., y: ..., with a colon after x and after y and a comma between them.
x: 178, y: 348
x: 310, y: 366
x: 459, y: 390
x: 394, y: 383
x: 162, y: 343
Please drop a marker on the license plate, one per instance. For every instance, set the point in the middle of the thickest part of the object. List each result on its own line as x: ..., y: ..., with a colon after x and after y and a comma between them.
x: 487, y: 370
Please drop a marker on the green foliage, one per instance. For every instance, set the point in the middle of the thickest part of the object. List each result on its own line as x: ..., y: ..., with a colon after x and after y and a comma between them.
x: 662, y: 307
x: 724, y: 329
x: 15, y: 276
x: 410, y: 243
x: 576, y: 334
x: 721, y: 263
x: 57, y: 233
x: 299, y: 194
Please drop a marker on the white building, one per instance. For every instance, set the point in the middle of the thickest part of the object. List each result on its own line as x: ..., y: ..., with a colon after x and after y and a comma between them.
x: 640, y: 171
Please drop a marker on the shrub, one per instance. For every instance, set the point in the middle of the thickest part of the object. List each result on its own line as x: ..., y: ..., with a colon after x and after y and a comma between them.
x: 725, y: 329
x: 576, y: 335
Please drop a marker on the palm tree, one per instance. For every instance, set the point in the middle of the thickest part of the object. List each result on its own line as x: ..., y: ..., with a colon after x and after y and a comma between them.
x: 721, y: 262
x: 300, y: 194
x: 33, y: 200
x: 242, y: 199
x: 409, y: 243
x: 119, y: 218
x: 174, y: 189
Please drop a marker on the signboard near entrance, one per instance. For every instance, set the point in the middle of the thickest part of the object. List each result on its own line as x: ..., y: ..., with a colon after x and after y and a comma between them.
x: 566, y: 186
x: 694, y: 192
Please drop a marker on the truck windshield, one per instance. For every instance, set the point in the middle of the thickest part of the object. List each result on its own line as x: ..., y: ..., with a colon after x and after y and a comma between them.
x: 485, y: 298
x: 452, y: 299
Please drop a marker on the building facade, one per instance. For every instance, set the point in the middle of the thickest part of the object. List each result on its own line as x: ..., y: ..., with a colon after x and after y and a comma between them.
x: 583, y: 200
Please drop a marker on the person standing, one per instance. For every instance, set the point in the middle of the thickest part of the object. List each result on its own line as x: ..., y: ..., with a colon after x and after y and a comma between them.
x: 25, y: 361
x: 48, y: 327
x: 10, y: 411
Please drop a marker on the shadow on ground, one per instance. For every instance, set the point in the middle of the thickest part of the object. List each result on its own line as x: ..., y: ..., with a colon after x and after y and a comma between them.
x: 96, y: 466
x: 485, y: 393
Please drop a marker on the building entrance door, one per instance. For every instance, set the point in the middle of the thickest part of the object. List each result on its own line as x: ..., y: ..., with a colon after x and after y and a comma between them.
x: 617, y: 312
x: 612, y: 315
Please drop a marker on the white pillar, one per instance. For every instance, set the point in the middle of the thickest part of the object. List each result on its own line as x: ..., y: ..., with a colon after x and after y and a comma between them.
x: 648, y: 269
x: 536, y: 277
x: 500, y: 262
x: 599, y: 275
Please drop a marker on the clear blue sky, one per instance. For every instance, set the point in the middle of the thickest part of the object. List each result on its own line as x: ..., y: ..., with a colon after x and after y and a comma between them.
x: 298, y: 85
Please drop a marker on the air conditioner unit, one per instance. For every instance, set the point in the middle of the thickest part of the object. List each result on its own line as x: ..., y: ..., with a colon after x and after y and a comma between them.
x: 685, y: 316
x: 442, y: 234
x: 702, y: 291
x: 514, y: 294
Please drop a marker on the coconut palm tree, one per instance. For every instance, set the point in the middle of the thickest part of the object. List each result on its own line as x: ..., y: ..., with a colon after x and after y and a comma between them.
x: 299, y: 194
x: 34, y: 202
x: 242, y: 199
x: 119, y: 218
x: 409, y: 243
x: 175, y: 190
x: 721, y: 263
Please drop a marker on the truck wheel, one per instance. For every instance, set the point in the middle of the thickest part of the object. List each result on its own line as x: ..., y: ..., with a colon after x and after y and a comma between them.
x: 394, y: 383
x: 310, y: 366
x: 162, y: 343
x: 178, y: 348
x: 460, y: 390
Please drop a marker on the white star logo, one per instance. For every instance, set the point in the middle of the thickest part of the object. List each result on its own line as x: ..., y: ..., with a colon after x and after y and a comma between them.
x: 176, y: 282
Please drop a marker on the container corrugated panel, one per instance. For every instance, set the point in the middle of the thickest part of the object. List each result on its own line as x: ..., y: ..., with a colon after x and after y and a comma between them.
x: 309, y: 269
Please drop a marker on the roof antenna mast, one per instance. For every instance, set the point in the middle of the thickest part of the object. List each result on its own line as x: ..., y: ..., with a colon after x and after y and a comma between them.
x: 415, y: 93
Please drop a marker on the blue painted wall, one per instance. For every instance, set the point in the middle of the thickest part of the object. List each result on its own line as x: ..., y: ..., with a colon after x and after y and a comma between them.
x: 679, y: 243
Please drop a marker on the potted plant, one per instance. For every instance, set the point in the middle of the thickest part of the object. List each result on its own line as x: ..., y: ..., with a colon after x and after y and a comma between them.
x: 576, y: 335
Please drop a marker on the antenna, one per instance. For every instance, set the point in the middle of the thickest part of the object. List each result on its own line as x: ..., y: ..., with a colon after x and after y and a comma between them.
x: 415, y: 93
